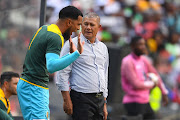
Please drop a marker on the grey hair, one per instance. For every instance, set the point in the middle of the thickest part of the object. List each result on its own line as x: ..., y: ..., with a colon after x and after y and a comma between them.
x: 92, y: 15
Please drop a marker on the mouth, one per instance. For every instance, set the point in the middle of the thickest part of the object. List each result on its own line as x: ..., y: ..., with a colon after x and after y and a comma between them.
x: 88, y: 32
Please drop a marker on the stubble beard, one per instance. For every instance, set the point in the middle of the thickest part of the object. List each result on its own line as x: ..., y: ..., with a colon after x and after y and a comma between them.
x: 67, y: 34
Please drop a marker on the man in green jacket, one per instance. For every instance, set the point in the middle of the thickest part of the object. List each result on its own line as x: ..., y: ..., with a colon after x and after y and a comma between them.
x: 8, y: 85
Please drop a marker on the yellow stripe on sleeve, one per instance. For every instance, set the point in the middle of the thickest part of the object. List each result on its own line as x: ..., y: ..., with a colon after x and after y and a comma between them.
x: 34, y: 37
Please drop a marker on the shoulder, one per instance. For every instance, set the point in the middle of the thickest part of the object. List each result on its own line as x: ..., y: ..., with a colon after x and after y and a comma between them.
x: 127, y: 60
x: 52, y: 35
x: 127, y: 57
x: 2, y: 103
x: 146, y: 59
x: 2, y: 99
x: 102, y: 45
x: 53, y: 32
x: 5, y: 116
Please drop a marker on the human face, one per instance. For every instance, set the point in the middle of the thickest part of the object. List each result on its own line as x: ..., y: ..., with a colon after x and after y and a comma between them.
x: 75, y: 25
x: 140, y: 47
x: 12, y: 85
x: 90, y: 27
x: 175, y: 38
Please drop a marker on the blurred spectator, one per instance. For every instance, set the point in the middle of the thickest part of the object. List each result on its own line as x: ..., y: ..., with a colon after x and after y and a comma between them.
x: 156, y: 43
x: 8, y: 85
x: 100, y: 6
x: 137, y: 86
x: 173, y: 47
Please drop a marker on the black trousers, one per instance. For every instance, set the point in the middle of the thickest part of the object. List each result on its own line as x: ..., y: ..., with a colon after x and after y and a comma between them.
x: 134, y: 109
x: 87, y: 106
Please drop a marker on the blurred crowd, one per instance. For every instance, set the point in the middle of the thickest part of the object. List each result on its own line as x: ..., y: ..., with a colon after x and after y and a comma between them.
x: 18, y: 22
x: 19, y: 19
x: 158, y: 21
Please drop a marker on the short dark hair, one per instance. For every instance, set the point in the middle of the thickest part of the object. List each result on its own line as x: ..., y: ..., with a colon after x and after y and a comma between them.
x: 70, y: 12
x: 135, y: 39
x: 6, y: 76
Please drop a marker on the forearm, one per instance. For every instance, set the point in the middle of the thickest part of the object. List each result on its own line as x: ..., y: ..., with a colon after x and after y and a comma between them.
x: 54, y: 65
x: 128, y: 72
x: 161, y: 85
x: 66, y: 95
x: 163, y: 88
x: 136, y: 82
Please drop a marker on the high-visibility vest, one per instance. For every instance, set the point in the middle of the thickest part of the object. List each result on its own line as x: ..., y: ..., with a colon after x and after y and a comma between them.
x: 155, y: 98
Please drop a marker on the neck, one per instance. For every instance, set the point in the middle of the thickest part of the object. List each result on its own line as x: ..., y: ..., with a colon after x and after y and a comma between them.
x: 138, y: 55
x: 61, y: 25
x: 92, y: 40
x: 6, y: 93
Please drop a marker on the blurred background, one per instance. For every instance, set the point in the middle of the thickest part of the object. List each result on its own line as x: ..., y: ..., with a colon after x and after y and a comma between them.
x: 158, y: 21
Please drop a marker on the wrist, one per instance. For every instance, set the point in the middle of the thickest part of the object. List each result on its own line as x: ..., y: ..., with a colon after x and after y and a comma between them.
x: 105, y: 101
x: 77, y: 52
x: 66, y: 95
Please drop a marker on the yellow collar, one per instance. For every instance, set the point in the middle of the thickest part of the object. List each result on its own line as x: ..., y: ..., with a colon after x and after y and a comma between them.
x: 5, y: 101
x: 55, y: 29
x: 2, y: 93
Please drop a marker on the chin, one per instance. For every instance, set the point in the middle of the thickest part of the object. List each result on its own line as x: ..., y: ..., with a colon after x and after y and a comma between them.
x: 87, y: 37
x: 15, y: 93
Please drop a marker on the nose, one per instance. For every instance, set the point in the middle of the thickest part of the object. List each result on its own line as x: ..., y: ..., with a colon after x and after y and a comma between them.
x: 88, y: 27
x: 78, y: 28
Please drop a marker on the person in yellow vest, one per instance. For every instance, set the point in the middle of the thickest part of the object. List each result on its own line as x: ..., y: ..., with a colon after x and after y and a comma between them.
x: 8, y: 85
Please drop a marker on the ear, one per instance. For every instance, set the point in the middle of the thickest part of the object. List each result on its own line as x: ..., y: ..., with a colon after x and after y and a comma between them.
x: 99, y: 26
x: 6, y: 84
x: 69, y: 22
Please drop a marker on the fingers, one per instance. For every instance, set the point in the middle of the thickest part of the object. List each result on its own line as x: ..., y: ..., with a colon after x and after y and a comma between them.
x: 79, y: 37
x: 80, y: 44
x: 68, y: 111
x: 105, y: 115
x: 79, y: 40
x: 165, y: 103
x: 105, y: 112
x: 72, y: 46
x: 68, y: 107
x: 70, y: 41
x: 165, y: 100
x: 83, y: 43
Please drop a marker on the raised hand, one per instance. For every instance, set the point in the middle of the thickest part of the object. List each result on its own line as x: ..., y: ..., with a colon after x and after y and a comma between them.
x: 80, y: 44
x: 72, y: 46
x: 165, y: 100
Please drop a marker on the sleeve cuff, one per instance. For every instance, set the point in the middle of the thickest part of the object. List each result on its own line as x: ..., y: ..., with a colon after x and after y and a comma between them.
x: 62, y: 88
x: 149, y: 83
x: 105, y: 94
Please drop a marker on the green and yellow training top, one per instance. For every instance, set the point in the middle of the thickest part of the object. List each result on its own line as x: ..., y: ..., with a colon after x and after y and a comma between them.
x: 47, y: 39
